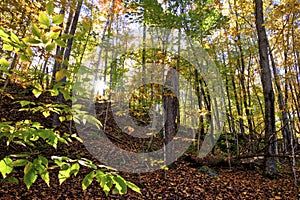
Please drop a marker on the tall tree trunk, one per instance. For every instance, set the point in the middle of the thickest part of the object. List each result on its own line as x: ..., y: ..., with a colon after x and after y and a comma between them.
x: 60, y: 50
x: 200, y: 102
x: 67, y: 55
x: 242, y: 67
x: 266, y: 79
x: 286, y: 131
x: 238, y: 108
x: 171, y: 106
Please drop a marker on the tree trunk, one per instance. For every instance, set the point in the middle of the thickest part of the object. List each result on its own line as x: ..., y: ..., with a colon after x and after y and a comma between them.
x: 266, y: 79
x: 171, y: 106
x: 286, y: 131
x: 60, y: 50
x: 67, y: 55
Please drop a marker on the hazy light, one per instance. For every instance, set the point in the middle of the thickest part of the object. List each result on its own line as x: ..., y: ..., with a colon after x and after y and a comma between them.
x: 101, y: 86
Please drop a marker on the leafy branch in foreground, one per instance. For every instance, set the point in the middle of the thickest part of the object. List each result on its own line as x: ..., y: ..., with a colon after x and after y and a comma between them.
x: 29, y: 134
x: 105, y: 176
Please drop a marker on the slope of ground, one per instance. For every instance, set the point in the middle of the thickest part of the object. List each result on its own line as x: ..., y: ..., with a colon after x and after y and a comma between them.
x: 182, y: 181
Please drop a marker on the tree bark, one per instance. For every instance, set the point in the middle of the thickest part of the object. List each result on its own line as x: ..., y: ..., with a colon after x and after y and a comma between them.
x: 171, y: 106
x: 60, y: 50
x: 266, y: 79
x: 286, y: 130
x: 67, y: 55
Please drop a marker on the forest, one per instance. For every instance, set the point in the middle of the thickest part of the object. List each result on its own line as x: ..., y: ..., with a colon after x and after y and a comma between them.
x: 149, y: 99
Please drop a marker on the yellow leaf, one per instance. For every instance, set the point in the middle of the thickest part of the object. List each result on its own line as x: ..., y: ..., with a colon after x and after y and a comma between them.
x: 46, y: 113
x: 62, y: 118
x: 60, y: 75
x: 56, y: 28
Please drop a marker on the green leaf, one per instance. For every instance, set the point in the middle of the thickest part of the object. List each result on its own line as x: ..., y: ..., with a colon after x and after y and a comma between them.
x: 18, y: 163
x: 133, y: 187
x: 45, y: 39
x: 38, y: 86
x: 75, y: 169
x: 54, y: 35
x: 22, y: 45
x: 3, y: 33
x: 10, y: 180
x: 35, y: 31
x: 24, y: 58
x: 41, y: 164
x: 25, y: 103
x: 29, y: 51
x: 64, y: 174
x: 66, y: 36
x: 43, y: 160
x: 44, y: 19
x: 69, y: 117
x: 32, y: 41
x: 4, y: 62
x: 54, y: 92
x: 36, y: 93
x: 50, y: 47
x: 50, y: 8
x: 14, y: 37
x: 61, y: 43
x: 49, y: 137
x: 30, y: 175
x: 99, y: 175
x: 121, y: 186
x: 6, y: 39
x: 58, y: 19
x: 93, y: 120
x: 66, y: 94
x: 57, y: 160
x: 87, y: 163
x: 8, y: 47
x: 36, y: 125
x: 4, y: 167
x: 106, y: 183
x: 20, y: 155
x: 88, y: 179
x: 62, y: 140
x: 45, y: 176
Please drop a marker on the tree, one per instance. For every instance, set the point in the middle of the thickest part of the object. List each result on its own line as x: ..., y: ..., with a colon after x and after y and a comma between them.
x: 27, y: 48
x: 67, y: 54
x: 266, y: 79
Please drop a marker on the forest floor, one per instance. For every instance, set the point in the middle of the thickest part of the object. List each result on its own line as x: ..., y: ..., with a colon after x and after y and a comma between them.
x: 182, y: 181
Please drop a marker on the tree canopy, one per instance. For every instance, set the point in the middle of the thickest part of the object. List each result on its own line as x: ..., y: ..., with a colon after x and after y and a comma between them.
x: 68, y: 66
